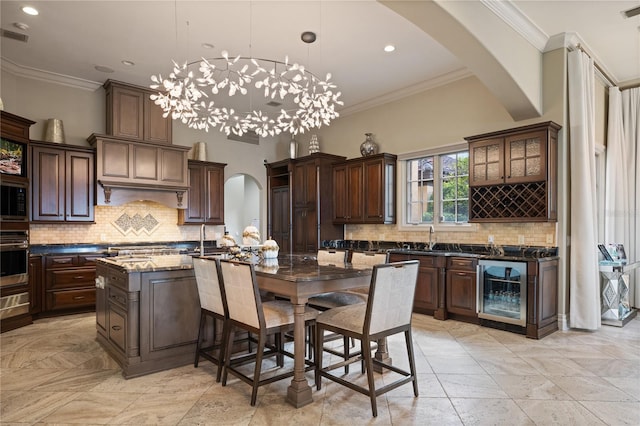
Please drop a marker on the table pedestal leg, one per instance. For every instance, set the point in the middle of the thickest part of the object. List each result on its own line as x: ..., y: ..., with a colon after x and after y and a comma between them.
x: 382, y: 355
x: 299, y: 392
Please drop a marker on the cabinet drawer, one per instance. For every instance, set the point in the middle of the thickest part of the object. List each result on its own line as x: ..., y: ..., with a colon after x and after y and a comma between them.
x: 72, y: 298
x: 117, y: 329
x: 117, y: 297
x: 88, y: 259
x: 462, y: 263
x: 426, y: 261
x: 117, y: 278
x: 61, y: 261
x: 72, y: 278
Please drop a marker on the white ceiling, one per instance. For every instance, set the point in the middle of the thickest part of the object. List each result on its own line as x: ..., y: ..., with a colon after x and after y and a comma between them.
x: 69, y: 38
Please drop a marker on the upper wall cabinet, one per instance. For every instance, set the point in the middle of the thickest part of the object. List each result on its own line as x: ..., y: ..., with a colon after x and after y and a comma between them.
x: 364, y: 190
x: 132, y: 114
x: 62, y: 181
x: 206, y: 194
x: 513, y: 174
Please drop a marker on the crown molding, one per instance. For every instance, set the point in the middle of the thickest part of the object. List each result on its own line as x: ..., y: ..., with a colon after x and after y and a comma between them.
x: 46, y: 76
x: 407, y: 91
x: 520, y: 22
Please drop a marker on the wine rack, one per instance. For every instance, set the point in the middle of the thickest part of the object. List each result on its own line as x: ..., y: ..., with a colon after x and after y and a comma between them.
x: 519, y: 202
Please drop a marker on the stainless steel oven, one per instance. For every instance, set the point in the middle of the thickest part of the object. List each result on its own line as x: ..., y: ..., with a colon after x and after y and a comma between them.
x: 502, y: 291
x: 14, y: 273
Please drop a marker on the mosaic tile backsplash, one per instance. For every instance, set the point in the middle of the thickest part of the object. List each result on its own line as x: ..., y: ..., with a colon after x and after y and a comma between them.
x: 135, y: 222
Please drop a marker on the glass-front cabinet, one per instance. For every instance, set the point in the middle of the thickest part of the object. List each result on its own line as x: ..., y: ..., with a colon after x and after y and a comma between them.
x: 502, y: 291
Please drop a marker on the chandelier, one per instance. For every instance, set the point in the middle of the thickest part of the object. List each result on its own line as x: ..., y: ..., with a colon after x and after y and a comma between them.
x: 307, y: 101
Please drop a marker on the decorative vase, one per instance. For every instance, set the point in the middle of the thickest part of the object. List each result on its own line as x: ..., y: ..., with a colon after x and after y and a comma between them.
x: 368, y: 147
x: 251, y: 236
x: 314, y: 145
x: 293, y: 148
x: 54, y: 130
x: 270, y: 249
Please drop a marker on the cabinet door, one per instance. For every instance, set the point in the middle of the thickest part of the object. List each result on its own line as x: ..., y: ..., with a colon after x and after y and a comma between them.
x: 355, y: 193
x: 115, y: 160
x: 194, y: 213
x: 145, y: 163
x: 280, y: 220
x: 426, y: 296
x: 340, y: 194
x: 374, y: 190
x: 79, y: 187
x: 487, y: 162
x: 526, y: 157
x: 461, y: 293
x: 305, y: 230
x: 48, y: 186
x: 172, y: 166
x: 156, y: 127
x: 214, y: 197
x: 305, y: 184
x: 35, y: 284
x: 127, y: 113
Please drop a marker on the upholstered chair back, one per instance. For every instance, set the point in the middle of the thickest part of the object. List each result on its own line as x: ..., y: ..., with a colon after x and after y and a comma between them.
x: 209, y: 288
x: 241, y: 290
x: 367, y: 259
x: 391, y: 293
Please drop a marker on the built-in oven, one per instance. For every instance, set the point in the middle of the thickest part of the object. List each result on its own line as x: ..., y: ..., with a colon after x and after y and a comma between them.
x: 14, y: 273
x: 502, y: 291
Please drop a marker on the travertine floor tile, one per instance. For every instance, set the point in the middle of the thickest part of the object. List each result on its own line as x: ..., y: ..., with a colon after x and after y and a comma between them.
x: 490, y: 412
x: 558, y: 413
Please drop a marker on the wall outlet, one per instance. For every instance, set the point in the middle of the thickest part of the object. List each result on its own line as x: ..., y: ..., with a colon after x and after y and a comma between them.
x: 549, y: 238
x: 520, y: 239
x: 490, y: 239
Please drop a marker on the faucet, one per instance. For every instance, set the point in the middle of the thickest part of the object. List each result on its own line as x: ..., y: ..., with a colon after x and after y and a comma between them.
x: 202, y: 237
x: 431, y: 231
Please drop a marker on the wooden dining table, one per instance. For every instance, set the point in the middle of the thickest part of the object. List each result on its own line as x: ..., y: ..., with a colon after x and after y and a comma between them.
x: 300, y: 277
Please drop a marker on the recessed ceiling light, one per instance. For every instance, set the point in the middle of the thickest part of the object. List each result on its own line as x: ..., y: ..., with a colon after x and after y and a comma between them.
x: 30, y: 10
x: 128, y: 63
x: 208, y: 45
x: 21, y: 25
x: 308, y: 36
x: 102, y: 68
x: 389, y: 48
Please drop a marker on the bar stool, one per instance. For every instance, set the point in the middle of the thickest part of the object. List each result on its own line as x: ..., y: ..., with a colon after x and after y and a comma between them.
x: 248, y: 312
x: 387, y: 312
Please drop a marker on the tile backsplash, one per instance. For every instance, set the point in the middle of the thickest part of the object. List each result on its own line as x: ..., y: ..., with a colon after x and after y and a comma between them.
x: 135, y: 222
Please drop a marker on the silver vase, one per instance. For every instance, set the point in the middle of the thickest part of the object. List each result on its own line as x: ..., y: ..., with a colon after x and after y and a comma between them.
x: 368, y: 147
x: 293, y: 148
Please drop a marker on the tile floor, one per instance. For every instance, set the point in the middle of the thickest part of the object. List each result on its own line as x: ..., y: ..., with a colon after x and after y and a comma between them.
x: 54, y: 372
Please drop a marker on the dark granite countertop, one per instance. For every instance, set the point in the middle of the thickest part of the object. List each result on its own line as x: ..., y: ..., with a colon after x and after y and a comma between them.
x: 185, y: 247
x: 133, y: 264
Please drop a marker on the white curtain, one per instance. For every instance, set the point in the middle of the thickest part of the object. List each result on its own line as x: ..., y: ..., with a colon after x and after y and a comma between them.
x: 584, y: 282
x: 622, y: 217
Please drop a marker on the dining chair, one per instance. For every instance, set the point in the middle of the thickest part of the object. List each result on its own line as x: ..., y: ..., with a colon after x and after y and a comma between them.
x: 212, y: 305
x: 387, y: 312
x: 325, y: 301
x: 264, y: 319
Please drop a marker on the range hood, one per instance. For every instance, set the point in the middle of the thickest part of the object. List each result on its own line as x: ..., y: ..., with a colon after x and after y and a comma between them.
x: 129, y: 170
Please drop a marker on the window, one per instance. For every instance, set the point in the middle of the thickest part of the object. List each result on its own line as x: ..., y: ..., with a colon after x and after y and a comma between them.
x: 436, y: 188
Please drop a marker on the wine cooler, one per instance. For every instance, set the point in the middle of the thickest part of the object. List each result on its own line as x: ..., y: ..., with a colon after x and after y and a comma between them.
x: 502, y: 291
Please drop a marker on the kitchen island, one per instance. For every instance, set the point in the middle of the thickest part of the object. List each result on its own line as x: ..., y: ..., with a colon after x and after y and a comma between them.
x: 147, y: 312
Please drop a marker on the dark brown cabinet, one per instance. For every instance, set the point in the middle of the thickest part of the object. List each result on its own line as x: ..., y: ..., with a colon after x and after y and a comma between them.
x: 206, y: 194
x: 139, y: 165
x: 307, y: 182
x: 430, y: 291
x: 36, y: 273
x: 62, y: 183
x: 131, y: 114
x: 364, y: 190
x: 542, y: 298
x: 69, y: 282
x: 513, y: 174
x: 461, y: 288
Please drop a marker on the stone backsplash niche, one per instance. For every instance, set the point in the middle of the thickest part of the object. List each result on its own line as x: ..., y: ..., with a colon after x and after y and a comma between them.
x: 541, y: 234
x: 135, y: 222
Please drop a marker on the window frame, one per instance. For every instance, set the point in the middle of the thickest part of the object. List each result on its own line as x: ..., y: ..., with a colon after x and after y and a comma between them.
x: 403, y: 225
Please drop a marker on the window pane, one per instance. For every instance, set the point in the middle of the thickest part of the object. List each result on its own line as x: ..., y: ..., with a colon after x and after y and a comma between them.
x: 420, y: 195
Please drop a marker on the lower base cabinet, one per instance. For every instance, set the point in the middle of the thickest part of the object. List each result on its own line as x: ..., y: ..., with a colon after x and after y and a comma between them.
x: 461, y: 289
x: 429, y: 295
x: 148, y: 321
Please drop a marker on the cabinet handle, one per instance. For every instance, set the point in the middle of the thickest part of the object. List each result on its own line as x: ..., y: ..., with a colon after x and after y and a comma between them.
x: 462, y: 274
x: 116, y: 328
x: 78, y: 277
x: 78, y: 297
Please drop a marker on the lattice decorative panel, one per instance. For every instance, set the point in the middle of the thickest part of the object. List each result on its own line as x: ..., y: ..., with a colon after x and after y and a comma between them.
x: 508, y: 202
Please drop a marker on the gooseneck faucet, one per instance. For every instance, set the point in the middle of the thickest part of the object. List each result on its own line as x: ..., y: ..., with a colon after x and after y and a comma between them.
x: 202, y: 237
x: 431, y: 231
